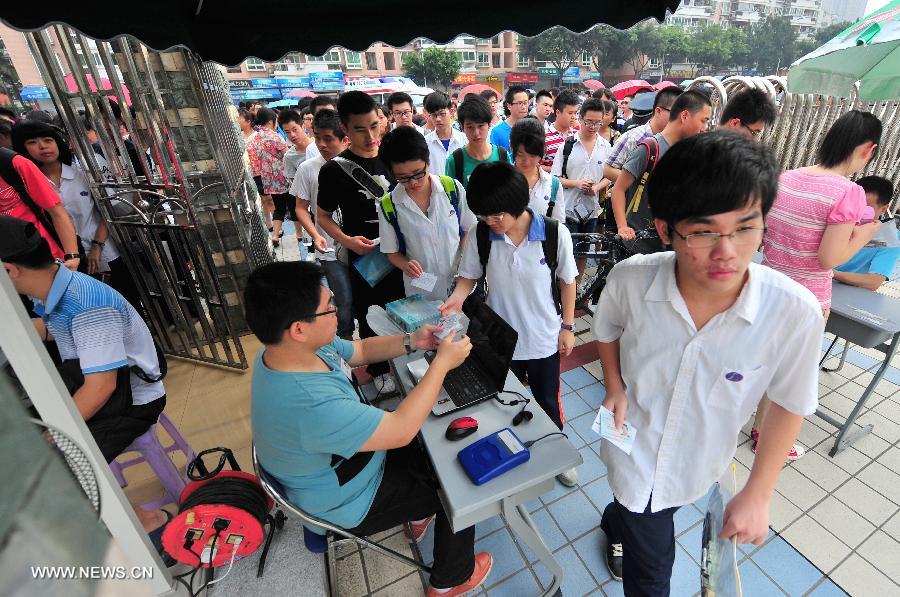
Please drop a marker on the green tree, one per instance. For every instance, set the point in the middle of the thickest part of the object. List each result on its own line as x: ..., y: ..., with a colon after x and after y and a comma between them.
x: 646, y: 43
x: 710, y: 48
x: 740, y: 46
x: 771, y: 43
x: 434, y: 67
x: 674, y: 44
x: 607, y: 46
x: 558, y: 46
x: 802, y: 47
x: 826, y: 34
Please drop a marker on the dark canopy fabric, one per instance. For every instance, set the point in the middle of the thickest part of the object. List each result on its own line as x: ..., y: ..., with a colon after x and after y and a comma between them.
x: 228, y: 31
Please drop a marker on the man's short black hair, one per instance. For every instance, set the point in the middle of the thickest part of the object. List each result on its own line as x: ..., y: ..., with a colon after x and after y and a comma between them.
x: 40, y: 116
x: 8, y: 113
x: 399, y: 97
x: 750, y: 106
x: 474, y: 108
x: 512, y: 91
x: 666, y: 97
x: 435, y: 102
x: 846, y: 134
x: 591, y: 105
x: 264, y: 116
x: 321, y: 101
x: 304, y: 112
x: 542, y: 93
x: 497, y: 187
x: 882, y: 188
x: 278, y: 294
x: 23, y: 245
x: 711, y: 174
x: 692, y: 101
x: 327, y: 119
x: 528, y: 134
x: 354, y: 103
x: 403, y: 144
x: 554, y: 91
x: 292, y: 115
x: 304, y: 103
x: 610, y: 106
x: 489, y: 94
x: 604, y: 94
x: 565, y: 98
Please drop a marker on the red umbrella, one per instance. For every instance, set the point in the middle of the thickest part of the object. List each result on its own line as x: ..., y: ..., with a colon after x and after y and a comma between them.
x: 301, y: 93
x: 593, y: 84
x: 475, y: 88
x: 664, y: 84
x: 629, y: 87
x: 104, y: 84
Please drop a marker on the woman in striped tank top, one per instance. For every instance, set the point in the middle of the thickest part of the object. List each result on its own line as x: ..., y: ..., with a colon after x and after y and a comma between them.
x: 819, y: 219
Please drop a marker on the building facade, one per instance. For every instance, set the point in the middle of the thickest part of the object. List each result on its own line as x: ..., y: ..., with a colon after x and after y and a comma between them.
x: 805, y: 15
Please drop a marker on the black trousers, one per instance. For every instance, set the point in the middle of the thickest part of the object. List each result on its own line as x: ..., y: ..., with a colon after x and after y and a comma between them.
x: 284, y: 207
x: 404, y: 495
x: 364, y: 296
x: 648, y: 545
x: 543, y: 380
x: 115, y: 433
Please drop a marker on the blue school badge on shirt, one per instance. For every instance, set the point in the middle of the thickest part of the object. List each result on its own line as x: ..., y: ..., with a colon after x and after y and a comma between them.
x: 84, y: 193
x: 733, y: 376
x: 543, y: 261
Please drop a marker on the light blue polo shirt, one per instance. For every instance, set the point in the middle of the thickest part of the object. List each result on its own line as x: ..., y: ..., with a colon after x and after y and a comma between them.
x: 308, y: 428
x: 876, y: 257
x: 93, y: 323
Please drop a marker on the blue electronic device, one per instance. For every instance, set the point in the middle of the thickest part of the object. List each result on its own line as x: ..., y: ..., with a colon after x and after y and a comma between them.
x: 493, y: 455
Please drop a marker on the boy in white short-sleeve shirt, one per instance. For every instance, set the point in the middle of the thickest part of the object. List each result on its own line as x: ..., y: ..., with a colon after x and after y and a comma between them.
x: 689, y: 340
x: 424, y: 220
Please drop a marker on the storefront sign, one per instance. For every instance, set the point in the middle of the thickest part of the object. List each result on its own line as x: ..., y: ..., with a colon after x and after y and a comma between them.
x: 548, y: 72
x: 34, y: 92
x: 521, y: 77
x: 264, y: 82
x: 239, y: 83
x: 465, y: 78
x: 329, y: 80
x: 491, y: 78
x: 572, y: 75
x: 293, y: 82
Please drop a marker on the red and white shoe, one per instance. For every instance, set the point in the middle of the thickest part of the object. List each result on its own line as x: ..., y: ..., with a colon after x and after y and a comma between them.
x: 796, y: 453
x: 418, y: 528
x: 483, y: 564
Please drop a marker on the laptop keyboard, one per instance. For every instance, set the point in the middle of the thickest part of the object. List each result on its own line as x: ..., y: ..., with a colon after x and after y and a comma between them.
x: 463, y: 386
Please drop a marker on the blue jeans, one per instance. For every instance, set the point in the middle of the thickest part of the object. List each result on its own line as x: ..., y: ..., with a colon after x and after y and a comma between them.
x: 338, y: 277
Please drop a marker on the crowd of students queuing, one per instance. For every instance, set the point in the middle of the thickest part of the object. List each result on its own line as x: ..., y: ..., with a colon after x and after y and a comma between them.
x: 362, y: 179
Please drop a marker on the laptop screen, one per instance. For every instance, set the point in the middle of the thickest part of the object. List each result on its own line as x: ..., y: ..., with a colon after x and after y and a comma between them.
x: 493, y: 340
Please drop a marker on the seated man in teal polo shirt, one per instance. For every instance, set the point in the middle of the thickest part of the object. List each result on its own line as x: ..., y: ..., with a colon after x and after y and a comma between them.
x: 338, y: 457
x: 874, y: 264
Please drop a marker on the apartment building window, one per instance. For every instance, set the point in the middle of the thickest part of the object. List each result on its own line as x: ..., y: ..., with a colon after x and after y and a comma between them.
x: 403, y: 56
x: 467, y: 56
x: 332, y: 56
x: 585, y: 59
x: 255, y: 64
x: 390, y: 61
x: 354, y: 59
x: 482, y: 41
x: 495, y: 41
x: 495, y: 60
x: 371, y: 61
x: 483, y: 59
x: 234, y: 69
x: 522, y: 61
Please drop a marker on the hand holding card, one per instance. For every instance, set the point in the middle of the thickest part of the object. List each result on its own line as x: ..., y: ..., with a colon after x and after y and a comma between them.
x: 605, y: 426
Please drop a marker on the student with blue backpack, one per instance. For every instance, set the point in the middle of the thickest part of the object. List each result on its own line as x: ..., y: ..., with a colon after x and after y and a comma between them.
x: 423, y: 221
x: 526, y: 141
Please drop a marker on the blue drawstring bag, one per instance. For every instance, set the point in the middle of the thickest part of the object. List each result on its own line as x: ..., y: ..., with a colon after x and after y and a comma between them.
x: 373, y: 266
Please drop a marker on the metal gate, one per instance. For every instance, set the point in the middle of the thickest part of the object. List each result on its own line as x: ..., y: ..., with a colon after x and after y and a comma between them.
x: 173, y: 186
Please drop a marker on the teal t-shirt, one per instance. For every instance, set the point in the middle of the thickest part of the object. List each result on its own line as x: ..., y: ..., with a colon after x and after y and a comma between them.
x: 469, y: 163
x: 308, y: 428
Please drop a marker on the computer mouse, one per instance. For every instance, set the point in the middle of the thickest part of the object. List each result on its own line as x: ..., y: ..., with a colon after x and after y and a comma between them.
x: 460, y: 428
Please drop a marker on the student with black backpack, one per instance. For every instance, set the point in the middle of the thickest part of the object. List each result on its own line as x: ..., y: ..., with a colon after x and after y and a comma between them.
x: 527, y: 261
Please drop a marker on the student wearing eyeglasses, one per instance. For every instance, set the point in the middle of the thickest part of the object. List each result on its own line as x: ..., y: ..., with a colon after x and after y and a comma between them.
x: 516, y: 108
x: 401, y: 108
x: 444, y: 139
x: 689, y: 340
x: 749, y: 112
x: 423, y: 221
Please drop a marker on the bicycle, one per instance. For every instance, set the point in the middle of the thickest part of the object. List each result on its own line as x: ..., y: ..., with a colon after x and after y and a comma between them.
x: 602, y: 250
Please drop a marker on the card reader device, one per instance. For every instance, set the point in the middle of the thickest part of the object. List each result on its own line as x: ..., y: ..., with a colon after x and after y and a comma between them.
x: 492, y: 456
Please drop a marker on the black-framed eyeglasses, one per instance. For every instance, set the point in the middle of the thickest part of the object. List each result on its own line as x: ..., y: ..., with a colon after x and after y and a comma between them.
x: 413, y: 177
x: 492, y: 217
x: 402, y: 113
x: 757, y: 133
x: 330, y: 311
x: 706, y: 240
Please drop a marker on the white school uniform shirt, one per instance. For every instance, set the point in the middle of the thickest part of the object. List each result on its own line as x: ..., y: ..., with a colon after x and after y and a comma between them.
x: 539, y: 197
x: 312, y: 151
x: 581, y: 165
x: 519, y: 285
x: 75, y: 193
x: 432, y: 239
x: 437, y: 155
x: 689, y: 392
x: 306, y: 186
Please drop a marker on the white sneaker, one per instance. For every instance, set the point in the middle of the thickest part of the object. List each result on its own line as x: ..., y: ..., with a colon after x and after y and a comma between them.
x: 568, y: 478
x: 385, y: 385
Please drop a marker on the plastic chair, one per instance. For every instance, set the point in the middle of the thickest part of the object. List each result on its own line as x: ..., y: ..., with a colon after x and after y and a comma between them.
x: 153, y: 453
x: 318, y: 542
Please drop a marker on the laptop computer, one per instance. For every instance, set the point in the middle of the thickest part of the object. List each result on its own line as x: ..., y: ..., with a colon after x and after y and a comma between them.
x: 483, y: 374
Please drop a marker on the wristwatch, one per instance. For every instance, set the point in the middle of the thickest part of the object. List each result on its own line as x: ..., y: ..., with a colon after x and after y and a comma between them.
x: 98, y: 243
x: 567, y: 326
x: 407, y: 343
x: 68, y: 256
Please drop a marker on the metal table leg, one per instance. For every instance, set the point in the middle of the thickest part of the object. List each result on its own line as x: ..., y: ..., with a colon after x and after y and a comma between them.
x: 845, y: 438
x: 523, y: 526
x: 828, y: 352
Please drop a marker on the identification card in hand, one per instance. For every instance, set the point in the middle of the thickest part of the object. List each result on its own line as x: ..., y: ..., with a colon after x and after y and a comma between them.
x: 448, y: 324
x: 605, y: 426
x: 345, y: 367
x: 583, y: 211
x: 426, y: 281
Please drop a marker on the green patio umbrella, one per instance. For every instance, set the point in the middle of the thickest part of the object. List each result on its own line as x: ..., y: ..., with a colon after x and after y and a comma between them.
x: 867, y: 51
